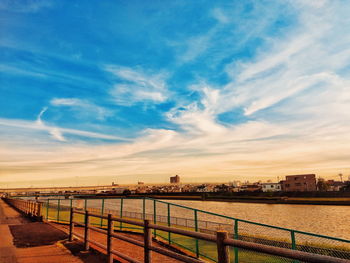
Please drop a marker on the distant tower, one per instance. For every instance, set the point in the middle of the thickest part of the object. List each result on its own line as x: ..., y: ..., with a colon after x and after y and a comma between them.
x: 341, y: 177
x: 175, y: 179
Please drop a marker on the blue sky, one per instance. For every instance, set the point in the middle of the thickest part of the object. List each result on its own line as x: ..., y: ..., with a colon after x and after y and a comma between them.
x: 212, y: 90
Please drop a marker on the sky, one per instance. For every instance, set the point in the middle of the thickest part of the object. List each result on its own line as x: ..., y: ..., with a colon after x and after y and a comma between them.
x: 94, y: 92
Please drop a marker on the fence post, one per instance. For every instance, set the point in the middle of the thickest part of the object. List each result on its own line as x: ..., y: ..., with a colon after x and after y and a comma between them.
x: 147, y: 242
x: 121, y: 212
x: 30, y: 209
x: 47, y: 209
x: 71, y: 225
x: 154, y: 217
x: 294, y: 247
x: 223, y: 252
x: 144, y: 208
x: 236, y: 237
x: 58, y: 209
x: 71, y: 204
x: 86, y: 231
x: 196, y: 229
x: 110, y: 230
x: 40, y: 211
x: 169, y: 223
x: 292, y: 235
x: 102, y: 211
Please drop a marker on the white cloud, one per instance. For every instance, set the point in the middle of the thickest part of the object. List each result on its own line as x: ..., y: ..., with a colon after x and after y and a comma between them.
x: 134, y: 86
x: 311, y: 56
x: 82, y: 107
x: 56, y: 132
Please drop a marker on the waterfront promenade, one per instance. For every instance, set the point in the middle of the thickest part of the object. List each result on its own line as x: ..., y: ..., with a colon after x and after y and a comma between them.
x: 9, y: 253
x: 17, y: 233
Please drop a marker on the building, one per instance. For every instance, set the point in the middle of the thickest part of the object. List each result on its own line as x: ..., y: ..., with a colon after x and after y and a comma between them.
x: 271, y: 187
x: 175, y: 179
x: 335, y: 185
x: 250, y: 188
x: 299, y: 183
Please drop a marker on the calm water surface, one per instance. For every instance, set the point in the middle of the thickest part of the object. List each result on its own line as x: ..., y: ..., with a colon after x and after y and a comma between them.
x: 326, y: 220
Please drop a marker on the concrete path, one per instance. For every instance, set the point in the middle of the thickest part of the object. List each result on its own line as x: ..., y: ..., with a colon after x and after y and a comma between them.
x: 126, y: 248
x: 41, y: 254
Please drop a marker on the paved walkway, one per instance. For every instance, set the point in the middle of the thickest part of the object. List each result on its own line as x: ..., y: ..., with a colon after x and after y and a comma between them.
x: 40, y: 254
x: 126, y: 248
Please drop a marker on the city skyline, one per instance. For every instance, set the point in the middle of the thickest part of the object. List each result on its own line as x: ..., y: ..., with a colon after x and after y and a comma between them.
x: 131, y: 91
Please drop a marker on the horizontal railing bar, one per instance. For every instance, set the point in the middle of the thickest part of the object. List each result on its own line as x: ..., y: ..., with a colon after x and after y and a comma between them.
x: 127, y: 239
x: 123, y: 220
x: 98, y: 229
x: 175, y: 255
x: 284, y: 252
x: 124, y: 256
x: 77, y: 223
x: 78, y: 235
x: 98, y: 244
x: 82, y: 212
x: 199, y: 235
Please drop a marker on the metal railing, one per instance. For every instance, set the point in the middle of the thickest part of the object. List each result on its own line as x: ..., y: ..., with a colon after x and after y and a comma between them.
x: 221, y: 239
x: 30, y: 208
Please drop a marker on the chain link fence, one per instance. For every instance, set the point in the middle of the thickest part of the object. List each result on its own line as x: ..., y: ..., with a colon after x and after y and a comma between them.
x: 174, y: 215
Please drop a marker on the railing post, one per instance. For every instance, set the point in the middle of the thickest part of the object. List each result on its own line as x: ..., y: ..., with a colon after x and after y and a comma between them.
x: 71, y: 224
x: 169, y: 223
x: 223, y: 252
x: 196, y: 229
x: 147, y: 242
x: 30, y: 208
x: 121, y: 212
x: 71, y: 204
x: 236, y: 237
x: 86, y: 231
x: 292, y: 235
x: 154, y: 217
x: 144, y: 208
x: 110, y: 230
x: 102, y: 211
x: 47, y: 209
x: 294, y: 247
x: 58, y: 209
x: 40, y: 211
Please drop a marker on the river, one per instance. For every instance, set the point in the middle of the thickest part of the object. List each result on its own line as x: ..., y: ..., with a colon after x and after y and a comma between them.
x: 319, y: 219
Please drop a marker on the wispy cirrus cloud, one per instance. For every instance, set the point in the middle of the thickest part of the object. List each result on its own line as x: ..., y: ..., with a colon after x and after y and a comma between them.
x: 82, y: 107
x: 133, y: 86
x: 56, y: 132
